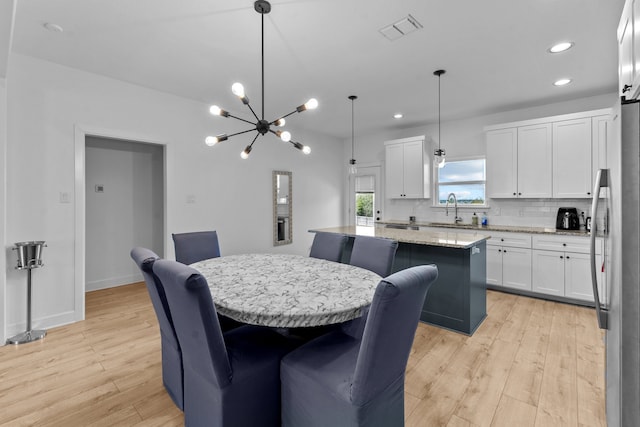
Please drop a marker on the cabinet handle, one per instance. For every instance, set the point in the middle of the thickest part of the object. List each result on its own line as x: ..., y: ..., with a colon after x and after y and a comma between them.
x: 567, y: 256
x: 502, y: 240
x: 519, y: 194
x: 588, y: 193
x: 626, y: 88
x: 505, y: 251
x: 561, y: 257
x: 499, y: 250
x: 564, y: 244
x: 514, y: 194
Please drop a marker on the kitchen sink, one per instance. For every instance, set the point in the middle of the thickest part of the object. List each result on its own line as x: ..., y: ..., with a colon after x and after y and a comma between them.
x: 451, y: 225
x: 402, y: 227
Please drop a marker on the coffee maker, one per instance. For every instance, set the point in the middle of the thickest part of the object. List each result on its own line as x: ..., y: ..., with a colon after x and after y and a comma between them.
x: 567, y: 219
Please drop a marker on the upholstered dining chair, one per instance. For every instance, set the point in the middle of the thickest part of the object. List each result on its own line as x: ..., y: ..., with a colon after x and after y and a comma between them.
x: 170, y: 348
x: 196, y: 246
x: 374, y: 253
x: 231, y: 379
x: 340, y: 380
x: 328, y: 246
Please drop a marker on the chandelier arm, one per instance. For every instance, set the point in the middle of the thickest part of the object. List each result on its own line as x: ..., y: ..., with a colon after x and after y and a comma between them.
x: 283, y: 117
x: 254, y: 139
x: 240, y: 133
x: 241, y: 119
x: 253, y: 112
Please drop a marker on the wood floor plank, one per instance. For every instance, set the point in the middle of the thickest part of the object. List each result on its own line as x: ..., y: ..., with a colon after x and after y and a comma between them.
x: 528, y: 354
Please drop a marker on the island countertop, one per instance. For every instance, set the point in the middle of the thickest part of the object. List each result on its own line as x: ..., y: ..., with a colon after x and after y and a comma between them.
x: 449, y: 238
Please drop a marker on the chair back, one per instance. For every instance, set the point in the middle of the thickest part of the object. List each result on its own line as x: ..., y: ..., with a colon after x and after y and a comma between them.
x: 144, y: 259
x: 328, y: 246
x: 389, y: 331
x: 374, y: 253
x: 196, y: 322
x: 196, y: 246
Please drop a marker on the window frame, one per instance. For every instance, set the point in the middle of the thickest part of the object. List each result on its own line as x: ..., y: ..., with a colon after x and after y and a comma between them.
x: 436, y: 183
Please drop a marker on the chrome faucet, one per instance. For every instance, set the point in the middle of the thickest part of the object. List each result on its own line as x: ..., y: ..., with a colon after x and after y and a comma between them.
x: 457, y: 219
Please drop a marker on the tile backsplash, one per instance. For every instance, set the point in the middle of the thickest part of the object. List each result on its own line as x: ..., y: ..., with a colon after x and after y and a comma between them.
x: 518, y: 212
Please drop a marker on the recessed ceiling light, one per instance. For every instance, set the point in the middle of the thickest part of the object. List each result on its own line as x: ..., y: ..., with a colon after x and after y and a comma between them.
x: 561, y: 47
x: 53, y: 27
x: 398, y: 115
x: 562, y: 82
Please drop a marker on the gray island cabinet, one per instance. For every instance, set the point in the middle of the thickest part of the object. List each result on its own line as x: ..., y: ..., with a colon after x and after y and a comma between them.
x: 457, y: 300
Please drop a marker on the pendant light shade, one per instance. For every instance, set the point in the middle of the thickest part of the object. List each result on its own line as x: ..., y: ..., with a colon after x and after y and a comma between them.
x: 439, y: 153
x: 259, y: 125
x: 352, y: 162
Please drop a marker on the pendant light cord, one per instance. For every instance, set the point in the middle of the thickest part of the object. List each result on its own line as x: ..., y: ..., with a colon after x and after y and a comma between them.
x: 262, y: 14
x: 439, y: 126
x: 352, y: 131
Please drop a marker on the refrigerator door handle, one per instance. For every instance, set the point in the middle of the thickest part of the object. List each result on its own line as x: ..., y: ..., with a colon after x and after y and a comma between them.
x: 602, y: 180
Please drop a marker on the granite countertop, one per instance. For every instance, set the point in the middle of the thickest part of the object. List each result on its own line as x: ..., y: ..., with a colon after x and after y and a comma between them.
x: 488, y: 228
x: 447, y: 238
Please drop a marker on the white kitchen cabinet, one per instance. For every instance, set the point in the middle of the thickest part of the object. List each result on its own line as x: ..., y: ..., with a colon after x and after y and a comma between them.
x: 519, y: 162
x: 601, y: 134
x: 502, y: 163
x: 629, y: 50
x: 509, y: 260
x: 561, y: 266
x: 407, y: 172
x: 572, y: 156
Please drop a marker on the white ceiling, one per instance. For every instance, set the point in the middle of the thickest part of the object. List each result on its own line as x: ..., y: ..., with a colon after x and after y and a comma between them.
x: 494, y: 52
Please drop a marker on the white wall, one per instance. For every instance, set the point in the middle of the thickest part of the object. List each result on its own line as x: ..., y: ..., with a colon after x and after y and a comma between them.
x: 466, y: 137
x: 128, y: 212
x: 45, y: 104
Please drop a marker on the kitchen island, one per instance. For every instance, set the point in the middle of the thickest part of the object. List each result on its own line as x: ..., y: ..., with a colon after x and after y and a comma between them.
x: 457, y: 299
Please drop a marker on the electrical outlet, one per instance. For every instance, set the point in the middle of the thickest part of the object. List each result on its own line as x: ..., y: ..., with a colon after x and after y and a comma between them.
x: 64, y: 197
x: 191, y: 198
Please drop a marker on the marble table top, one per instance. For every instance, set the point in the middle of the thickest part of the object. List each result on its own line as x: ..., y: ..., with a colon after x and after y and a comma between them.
x: 280, y: 290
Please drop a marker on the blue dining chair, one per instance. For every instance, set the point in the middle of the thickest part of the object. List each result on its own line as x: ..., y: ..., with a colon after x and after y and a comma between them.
x: 231, y: 379
x: 172, y: 372
x: 196, y: 246
x: 329, y: 246
x: 374, y: 254
x: 339, y: 380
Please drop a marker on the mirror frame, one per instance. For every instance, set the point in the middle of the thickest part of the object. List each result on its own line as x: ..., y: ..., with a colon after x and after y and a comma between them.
x: 277, y: 242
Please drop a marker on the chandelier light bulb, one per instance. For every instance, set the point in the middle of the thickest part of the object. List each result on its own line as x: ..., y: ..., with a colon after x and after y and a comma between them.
x: 246, y: 152
x: 213, y: 140
x: 238, y: 90
x: 279, y: 122
x: 311, y: 104
x: 215, y: 110
x: 306, y: 149
x: 285, y: 136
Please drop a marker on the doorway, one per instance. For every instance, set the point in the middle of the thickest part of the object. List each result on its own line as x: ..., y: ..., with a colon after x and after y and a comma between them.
x: 365, y: 197
x: 120, y: 195
x: 123, y: 205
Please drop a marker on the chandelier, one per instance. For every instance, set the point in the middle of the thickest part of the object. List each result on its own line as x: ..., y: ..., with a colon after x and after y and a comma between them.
x: 261, y: 126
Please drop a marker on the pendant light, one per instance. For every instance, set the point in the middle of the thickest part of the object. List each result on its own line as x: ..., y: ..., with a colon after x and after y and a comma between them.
x: 438, y: 154
x: 260, y: 125
x: 352, y: 163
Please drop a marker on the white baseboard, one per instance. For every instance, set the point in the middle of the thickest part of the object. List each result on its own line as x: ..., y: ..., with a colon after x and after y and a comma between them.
x: 112, y: 282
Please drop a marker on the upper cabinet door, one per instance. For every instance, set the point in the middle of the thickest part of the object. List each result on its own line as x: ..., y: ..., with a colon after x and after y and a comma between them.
x: 414, y: 170
x: 502, y: 163
x: 572, y: 154
x: 626, y: 67
x: 394, y: 167
x: 534, y: 161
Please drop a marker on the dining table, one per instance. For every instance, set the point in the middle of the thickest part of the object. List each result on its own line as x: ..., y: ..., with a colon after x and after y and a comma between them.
x: 286, y: 290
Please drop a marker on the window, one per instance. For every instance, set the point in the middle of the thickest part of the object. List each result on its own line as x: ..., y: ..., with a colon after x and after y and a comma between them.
x: 365, y: 196
x: 465, y: 178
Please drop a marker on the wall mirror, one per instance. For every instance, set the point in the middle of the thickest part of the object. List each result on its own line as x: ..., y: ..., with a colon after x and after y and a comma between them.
x: 282, y: 208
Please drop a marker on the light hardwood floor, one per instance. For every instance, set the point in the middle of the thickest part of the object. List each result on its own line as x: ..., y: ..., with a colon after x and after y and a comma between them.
x: 531, y: 363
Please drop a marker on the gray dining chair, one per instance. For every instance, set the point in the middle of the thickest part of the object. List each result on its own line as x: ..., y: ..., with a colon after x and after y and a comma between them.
x: 196, y: 246
x: 172, y: 372
x: 374, y: 253
x: 340, y: 380
x: 329, y: 246
x: 230, y: 379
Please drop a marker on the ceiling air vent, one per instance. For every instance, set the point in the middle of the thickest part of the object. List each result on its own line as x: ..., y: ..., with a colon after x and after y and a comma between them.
x: 400, y: 28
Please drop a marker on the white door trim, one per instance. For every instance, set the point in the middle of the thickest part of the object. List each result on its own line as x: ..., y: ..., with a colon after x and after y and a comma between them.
x: 80, y: 134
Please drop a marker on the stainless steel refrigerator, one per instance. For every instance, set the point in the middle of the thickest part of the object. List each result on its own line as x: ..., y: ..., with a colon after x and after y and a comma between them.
x: 619, y: 310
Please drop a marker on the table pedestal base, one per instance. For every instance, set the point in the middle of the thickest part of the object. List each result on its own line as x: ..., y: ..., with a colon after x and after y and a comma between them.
x: 28, y: 336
